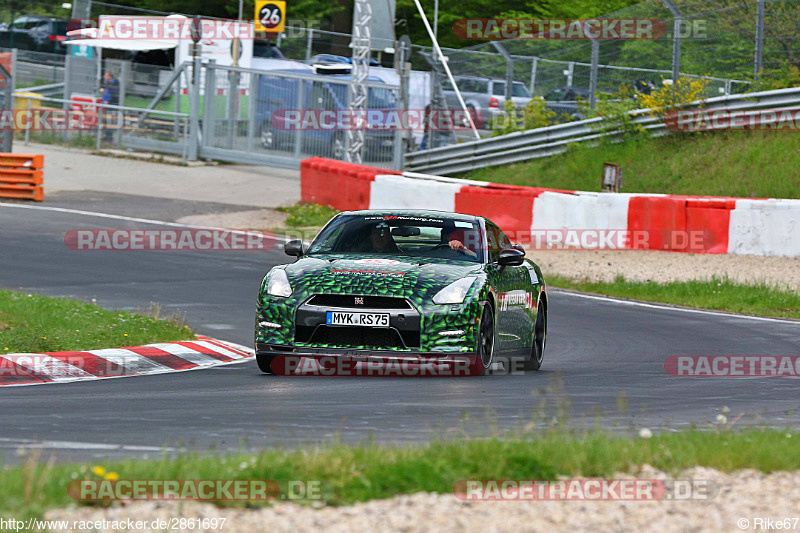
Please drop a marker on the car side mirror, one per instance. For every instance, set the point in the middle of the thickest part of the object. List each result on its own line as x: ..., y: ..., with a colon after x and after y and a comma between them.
x: 511, y: 257
x: 294, y: 248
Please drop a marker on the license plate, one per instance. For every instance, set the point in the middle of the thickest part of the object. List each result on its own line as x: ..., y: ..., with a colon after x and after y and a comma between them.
x: 374, y: 320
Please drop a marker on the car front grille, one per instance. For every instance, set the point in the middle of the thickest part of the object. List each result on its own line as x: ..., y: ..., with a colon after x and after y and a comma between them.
x: 349, y: 301
x: 355, y: 337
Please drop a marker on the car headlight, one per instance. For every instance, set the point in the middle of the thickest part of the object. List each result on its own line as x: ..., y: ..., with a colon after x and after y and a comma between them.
x: 278, y: 284
x: 455, y: 292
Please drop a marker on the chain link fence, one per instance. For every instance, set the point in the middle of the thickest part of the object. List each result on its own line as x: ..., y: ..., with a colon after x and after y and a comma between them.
x: 730, y: 43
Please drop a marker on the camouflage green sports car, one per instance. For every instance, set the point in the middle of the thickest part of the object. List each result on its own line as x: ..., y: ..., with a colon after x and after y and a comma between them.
x: 405, y: 284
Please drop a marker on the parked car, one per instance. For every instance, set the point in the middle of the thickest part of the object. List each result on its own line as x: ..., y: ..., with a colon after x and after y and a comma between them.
x: 265, y: 48
x: 564, y: 100
x: 277, y: 94
x: 36, y: 33
x: 484, y: 97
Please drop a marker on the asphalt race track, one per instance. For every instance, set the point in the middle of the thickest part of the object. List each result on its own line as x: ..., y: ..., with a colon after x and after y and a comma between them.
x: 599, y: 352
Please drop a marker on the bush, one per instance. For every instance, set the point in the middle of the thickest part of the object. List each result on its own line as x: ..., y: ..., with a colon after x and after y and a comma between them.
x: 534, y: 115
x: 615, y: 109
x: 678, y: 95
x: 780, y: 78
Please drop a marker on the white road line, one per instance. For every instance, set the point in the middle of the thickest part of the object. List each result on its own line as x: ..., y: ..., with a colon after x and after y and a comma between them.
x: 665, y: 307
x: 72, y: 445
x: 134, y: 219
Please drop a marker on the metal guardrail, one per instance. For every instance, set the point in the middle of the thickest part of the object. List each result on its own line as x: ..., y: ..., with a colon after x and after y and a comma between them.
x: 551, y: 140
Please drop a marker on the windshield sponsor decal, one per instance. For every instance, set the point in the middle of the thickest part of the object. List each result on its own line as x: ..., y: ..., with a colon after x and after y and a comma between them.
x: 365, y: 272
x: 396, y: 217
x: 378, y: 261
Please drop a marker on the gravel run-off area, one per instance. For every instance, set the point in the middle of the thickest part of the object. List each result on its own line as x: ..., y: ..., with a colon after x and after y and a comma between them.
x: 744, y: 495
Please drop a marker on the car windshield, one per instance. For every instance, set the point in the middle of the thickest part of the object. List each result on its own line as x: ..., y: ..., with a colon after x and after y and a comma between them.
x: 417, y: 236
x: 517, y: 89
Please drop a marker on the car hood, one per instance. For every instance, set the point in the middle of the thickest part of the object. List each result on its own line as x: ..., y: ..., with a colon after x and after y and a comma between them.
x: 396, y: 276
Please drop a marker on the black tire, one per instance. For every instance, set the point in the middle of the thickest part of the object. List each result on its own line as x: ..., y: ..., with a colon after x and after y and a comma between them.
x: 539, y: 340
x: 484, y: 356
x: 265, y: 362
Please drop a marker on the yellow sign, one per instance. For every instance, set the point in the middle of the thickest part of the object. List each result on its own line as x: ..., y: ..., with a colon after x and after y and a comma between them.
x: 270, y: 15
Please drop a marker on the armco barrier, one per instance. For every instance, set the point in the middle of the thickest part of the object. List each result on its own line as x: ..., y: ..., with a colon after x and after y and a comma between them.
x: 654, y: 222
x: 21, y: 176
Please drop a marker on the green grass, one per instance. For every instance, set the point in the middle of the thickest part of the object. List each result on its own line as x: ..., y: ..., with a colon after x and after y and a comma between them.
x: 719, y: 294
x: 305, y: 214
x: 33, y: 323
x: 369, y: 471
x: 739, y: 163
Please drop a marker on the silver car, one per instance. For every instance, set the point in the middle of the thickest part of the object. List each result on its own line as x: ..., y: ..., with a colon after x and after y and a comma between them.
x: 484, y: 97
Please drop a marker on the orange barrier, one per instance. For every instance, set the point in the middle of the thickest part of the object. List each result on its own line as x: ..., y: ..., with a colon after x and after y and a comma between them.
x: 712, y: 217
x: 21, y: 176
x: 338, y: 184
x: 682, y: 224
x: 509, y: 207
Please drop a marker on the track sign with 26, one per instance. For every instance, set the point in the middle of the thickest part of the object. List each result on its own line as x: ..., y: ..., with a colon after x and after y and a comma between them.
x: 270, y: 15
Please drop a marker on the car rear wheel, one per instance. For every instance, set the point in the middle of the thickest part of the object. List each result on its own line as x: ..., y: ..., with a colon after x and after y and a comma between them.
x: 539, y: 340
x: 265, y: 362
x: 482, y: 360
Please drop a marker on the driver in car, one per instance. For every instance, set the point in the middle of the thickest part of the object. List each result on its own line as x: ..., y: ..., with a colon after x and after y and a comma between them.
x: 455, y: 237
x: 381, y: 239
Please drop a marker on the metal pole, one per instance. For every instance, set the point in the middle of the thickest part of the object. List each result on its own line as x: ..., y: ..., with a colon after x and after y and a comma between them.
x: 361, y: 41
x: 436, y: 19
x: 232, y: 112
x: 676, y: 40
x: 759, y: 56
x: 28, y: 130
x: 251, y: 112
x: 534, y: 66
x: 209, y: 110
x: 593, y: 73
x: 298, y: 139
x: 509, y: 69
x: 309, y: 42
x: 67, y: 89
x: 194, y: 124
x: 570, y: 71
x: 440, y: 55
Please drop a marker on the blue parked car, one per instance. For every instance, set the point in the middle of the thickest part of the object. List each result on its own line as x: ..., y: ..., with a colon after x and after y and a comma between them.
x: 276, y: 95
